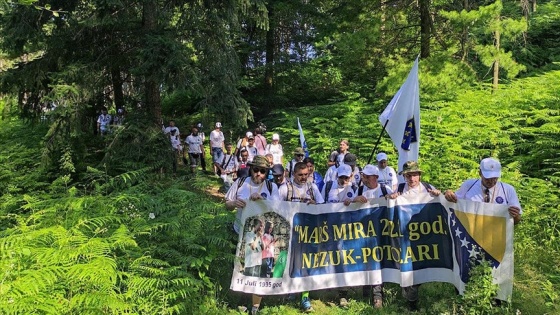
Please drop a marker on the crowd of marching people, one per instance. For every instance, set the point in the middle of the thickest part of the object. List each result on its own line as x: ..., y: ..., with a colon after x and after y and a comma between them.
x: 255, y: 168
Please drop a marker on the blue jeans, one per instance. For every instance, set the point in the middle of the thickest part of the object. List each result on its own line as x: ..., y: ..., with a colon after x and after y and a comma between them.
x: 217, y: 154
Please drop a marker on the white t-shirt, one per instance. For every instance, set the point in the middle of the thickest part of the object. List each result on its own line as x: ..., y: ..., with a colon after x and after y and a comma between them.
x: 376, y: 192
x: 501, y: 193
x: 252, y: 152
x: 388, y: 177
x: 167, y: 130
x: 416, y: 190
x: 217, y: 139
x: 340, y: 194
x: 244, y: 192
x: 175, y: 142
x: 300, y: 193
x: 194, y: 143
x: 332, y: 174
x: 276, y: 151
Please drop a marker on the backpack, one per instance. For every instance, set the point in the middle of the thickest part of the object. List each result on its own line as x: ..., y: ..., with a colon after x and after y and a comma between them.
x: 383, y: 190
x: 328, y: 186
x: 290, y: 168
x: 241, y: 180
x: 290, y: 191
x: 400, y: 189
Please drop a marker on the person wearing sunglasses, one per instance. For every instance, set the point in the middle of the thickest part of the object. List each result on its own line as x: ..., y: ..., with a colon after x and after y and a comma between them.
x: 299, y: 154
x: 489, y: 189
x: 254, y: 187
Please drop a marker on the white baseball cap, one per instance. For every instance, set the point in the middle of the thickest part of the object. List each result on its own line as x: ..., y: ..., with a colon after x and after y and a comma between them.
x: 344, y: 170
x: 218, y: 125
x: 490, y: 168
x: 381, y: 156
x: 249, y: 134
x: 370, y: 170
x: 275, y: 137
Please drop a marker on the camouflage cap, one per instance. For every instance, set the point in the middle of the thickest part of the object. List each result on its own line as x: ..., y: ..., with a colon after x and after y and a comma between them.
x: 260, y: 161
x: 410, y: 167
x: 299, y: 151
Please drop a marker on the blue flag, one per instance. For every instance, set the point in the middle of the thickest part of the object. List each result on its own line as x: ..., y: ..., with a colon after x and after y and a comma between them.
x: 302, y: 139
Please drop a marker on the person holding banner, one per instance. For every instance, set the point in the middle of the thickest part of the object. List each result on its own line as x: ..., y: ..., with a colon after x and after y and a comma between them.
x: 301, y: 191
x: 255, y: 187
x: 371, y: 190
x: 413, y: 186
x: 488, y: 189
x: 342, y: 189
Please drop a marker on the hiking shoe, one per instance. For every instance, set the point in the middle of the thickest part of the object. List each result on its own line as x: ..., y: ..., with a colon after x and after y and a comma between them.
x: 343, y: 302
x: 306, y: 305
x: 377, y: 302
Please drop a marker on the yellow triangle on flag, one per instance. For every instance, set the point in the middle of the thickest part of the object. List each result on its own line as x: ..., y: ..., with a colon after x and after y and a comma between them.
x: 488, y: 231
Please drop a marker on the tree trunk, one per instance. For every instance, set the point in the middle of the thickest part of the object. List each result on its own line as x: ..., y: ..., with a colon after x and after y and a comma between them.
x: 152, y: 97
x: 118, y: 96
x: 534, y: 6
x: 425, y: 28
x: 269, y: 67
x: 496, y: 61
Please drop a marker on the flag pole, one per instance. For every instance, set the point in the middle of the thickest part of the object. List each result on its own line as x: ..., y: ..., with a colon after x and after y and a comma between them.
x: 377, y: 143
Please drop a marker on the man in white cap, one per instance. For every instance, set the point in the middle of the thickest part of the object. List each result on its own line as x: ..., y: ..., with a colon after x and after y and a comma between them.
x: 275, y: 148
x: 488, y: 189
x: 250, y: 147
x: 387, y: 174
x: 217, y: 144
x: 370, y: 190
x: 341, y: 189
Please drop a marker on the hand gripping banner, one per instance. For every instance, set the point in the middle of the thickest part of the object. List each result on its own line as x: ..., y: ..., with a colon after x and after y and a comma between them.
x: 287, y: 247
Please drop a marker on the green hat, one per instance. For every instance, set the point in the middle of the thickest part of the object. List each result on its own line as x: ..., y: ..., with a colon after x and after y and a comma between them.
x: 410, y: 167
x: 298, y: 151
x: 260, y: 161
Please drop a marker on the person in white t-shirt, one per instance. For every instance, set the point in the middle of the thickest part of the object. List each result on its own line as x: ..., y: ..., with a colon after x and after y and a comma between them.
x: 103, y: 122
x: 489, y: 189
x: 337, y: 157
x: 342, y: 189
x: 251, y: 148
x: 275, y: 148
x: 255, y: 187
x: 413, y: 186
x: 217, y: 144
x: 195, y: 148
x: 227, y: 166
x: 387, y: 174
x: 299, y: 154
x: 299, y: 190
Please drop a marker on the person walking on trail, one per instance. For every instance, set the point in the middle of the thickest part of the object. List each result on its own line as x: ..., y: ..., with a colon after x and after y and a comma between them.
x: 103, y: 122
x: 387, y: 174
x: 413, y: 186
x: 275, y: 148
x: 217, y: 140
x: 260, y: 141
x: 250, y: 147
x: 489, y: 189
x: 195, y: 149
x: 255, y: 187
x: 227, y: 167
x: 279, y: 175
